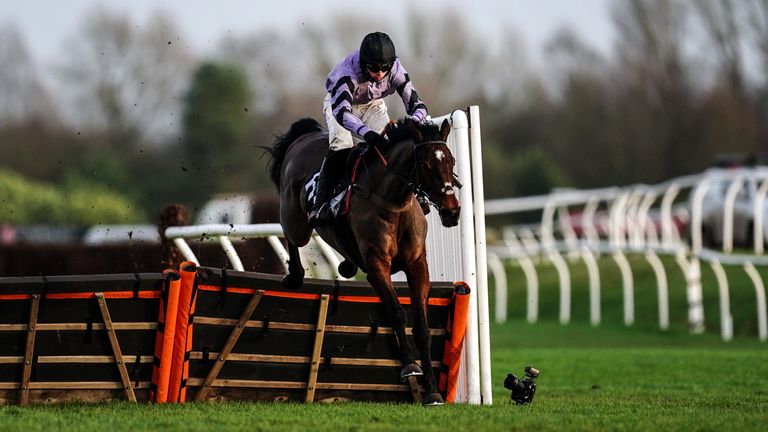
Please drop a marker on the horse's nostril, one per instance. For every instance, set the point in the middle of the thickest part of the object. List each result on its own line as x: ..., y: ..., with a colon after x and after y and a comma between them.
x: 450, y: 217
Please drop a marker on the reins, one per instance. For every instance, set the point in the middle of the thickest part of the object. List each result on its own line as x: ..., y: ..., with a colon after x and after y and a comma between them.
x: 412, y: 181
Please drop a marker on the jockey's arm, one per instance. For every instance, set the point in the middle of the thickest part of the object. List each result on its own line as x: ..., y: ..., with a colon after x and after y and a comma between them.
x: 341, y: 103
x: 414, y: 106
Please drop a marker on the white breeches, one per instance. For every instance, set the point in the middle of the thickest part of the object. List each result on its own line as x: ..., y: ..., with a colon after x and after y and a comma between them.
x: 373, y: 114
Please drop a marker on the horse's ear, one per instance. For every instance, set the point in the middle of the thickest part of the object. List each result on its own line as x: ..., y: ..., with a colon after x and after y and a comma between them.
x: 445, y: 129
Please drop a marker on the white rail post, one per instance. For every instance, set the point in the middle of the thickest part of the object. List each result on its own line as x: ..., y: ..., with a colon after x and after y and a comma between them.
x: 667, y: 224
x: 330, y: 256
x: 548, y: 242
x: 662, y: 288
x: 593, y: 272
x: 231, y: 253
x: 695, y: 296
x: 628, y: 287
x: 762, y: 320
x: 532, y: 282
x: 728, y: 208
x: 185, y: 250
x: 500, y: 279
x: 618, y: 240
x: 632, y: 220
x: 472, y: 338
x: 279, y: 249
x: 726, y: 320
x: 569, y: 235
x: 480, y: 246
x: 588, y: 224
x: 518, y: 251
x: 696, y: 214
x: 759, y: 217
x: 648, y: 236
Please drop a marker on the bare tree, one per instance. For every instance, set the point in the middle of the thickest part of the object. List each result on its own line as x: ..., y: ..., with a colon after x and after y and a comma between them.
x: 652, y: 97
x: 23, y: 96
x: 724, y: 30
x: 757, y: 17
x: 454, y: 66
x: 127, y: 77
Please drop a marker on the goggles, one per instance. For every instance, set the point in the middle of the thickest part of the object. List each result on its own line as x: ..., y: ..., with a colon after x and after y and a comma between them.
x: 378, y: 67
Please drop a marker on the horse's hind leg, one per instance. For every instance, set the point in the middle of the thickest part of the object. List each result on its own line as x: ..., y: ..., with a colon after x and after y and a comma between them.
x: 295, y: 277
x: 297, y: 233
x: 418, y: 282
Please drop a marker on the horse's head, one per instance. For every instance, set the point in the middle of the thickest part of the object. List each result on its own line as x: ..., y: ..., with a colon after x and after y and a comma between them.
x: 433, y: 166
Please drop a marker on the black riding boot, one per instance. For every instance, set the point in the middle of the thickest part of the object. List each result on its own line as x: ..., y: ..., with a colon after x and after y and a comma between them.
x: 321, y: 209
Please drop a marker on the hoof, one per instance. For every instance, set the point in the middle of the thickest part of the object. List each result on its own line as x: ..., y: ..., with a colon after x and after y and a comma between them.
x: 292, y: 281
x: 347, y: 269
x: 410, y: 370
x: 433, y: 399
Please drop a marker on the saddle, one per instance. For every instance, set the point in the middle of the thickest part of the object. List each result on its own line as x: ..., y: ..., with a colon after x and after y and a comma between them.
x: 341, y: 189
x: 344, y: 185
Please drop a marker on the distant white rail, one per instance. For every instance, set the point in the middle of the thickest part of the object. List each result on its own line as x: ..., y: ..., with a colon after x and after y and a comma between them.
x: 224, y: 233
x: 640, y: 220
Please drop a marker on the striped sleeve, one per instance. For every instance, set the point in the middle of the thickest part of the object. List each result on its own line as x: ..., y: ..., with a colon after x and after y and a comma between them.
x: 341, y: 104
x: 414, y: 106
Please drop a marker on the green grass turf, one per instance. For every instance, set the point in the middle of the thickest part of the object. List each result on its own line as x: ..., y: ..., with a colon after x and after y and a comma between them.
x: 606, y: 378
x: 610, y: 377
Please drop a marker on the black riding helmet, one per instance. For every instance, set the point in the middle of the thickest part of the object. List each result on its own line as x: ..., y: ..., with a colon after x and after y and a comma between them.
x: 377, y: 49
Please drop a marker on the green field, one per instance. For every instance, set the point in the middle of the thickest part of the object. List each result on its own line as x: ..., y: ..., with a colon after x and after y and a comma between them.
x: 611, y: 377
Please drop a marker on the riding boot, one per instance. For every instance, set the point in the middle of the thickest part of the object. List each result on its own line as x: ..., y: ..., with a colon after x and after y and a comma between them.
x: 321, y: 208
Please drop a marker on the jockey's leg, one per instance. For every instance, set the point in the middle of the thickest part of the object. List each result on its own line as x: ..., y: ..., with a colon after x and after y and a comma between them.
x: 325, y: 183
x: 338, y: 137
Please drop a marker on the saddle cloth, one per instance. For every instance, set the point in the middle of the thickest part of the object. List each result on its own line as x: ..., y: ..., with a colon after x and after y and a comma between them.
x: 336, y: 201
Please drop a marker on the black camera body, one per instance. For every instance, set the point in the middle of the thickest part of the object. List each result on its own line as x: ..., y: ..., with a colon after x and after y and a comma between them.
x: 523, y: 389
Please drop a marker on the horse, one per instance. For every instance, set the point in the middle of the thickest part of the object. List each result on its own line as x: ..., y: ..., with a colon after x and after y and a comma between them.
x: 385, y: 228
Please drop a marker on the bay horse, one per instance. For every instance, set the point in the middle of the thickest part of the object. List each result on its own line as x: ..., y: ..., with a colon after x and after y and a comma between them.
x: 384, y: 230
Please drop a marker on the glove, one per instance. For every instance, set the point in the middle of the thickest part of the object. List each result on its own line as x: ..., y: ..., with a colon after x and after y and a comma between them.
x: 419, y: 120
x: 374, y: 139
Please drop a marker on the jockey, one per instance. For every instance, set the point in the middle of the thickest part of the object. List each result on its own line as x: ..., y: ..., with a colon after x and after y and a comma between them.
x: 355, y: 105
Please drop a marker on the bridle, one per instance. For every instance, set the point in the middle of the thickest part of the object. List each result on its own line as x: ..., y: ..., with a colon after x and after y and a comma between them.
x: 412, y: 180
x: 415, y: 182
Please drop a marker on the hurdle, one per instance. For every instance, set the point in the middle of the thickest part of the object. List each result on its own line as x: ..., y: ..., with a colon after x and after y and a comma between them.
x: 199, y: 333
x: 78, y: 338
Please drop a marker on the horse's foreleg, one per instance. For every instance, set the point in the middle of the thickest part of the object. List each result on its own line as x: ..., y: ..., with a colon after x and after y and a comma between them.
x: 418, y: 282
x: 380, y: 279
x: 295, y: 277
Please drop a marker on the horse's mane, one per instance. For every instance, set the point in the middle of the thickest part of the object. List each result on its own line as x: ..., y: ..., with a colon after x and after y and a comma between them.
x: 282, y: 142
x: 408, y: 129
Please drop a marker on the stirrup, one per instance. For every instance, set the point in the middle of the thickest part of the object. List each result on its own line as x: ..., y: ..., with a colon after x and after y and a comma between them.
x: 321, y: 214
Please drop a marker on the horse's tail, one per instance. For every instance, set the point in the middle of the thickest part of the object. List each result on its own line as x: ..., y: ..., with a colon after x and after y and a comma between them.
x: 282, y: 142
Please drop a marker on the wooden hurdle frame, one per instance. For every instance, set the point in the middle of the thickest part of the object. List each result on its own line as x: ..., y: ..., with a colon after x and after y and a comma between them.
x: 322, y: 344
x: 91, y: 336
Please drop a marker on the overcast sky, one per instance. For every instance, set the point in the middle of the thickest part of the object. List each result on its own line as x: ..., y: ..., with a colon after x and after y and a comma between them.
x: 45, y: 24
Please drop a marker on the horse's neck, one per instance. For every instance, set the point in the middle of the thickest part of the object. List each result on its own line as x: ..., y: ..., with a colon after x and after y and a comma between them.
x: 391, y: 182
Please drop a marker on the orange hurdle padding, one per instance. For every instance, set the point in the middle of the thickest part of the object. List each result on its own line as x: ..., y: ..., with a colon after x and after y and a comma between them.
x: 170, y: 306
x: 182, y: 345
x: 159, y: 335
x: 454, y: 342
